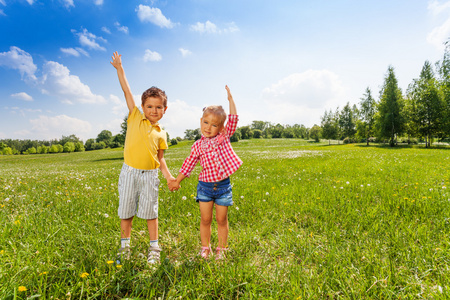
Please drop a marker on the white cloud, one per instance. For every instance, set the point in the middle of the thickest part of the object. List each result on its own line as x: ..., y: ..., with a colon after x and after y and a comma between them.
x: 153, y: 15
x: 30, y: 2
x: 121, y: 28
x: 439, y: 35
x: 46, y: 127
x: 180, y: 110
x: 22, y: 96
x: 68, y: 3
x: 89, y: 40
x: 300, y: 96
x: 437, y: 8
x: 74, y: 51
x: 3, y: 2
x: 106, y: 29
x: 2, y: 13
x: 119, y: 106
x: 58, y: 81
x: 185, y: 52
x: 152, y: 56
x: 20, y: 60
x: 209, y: 27
x: 98, y: 2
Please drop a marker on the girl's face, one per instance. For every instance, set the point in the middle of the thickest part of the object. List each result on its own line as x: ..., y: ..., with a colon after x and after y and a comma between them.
x: 210, y: 125
x: 153, y: 109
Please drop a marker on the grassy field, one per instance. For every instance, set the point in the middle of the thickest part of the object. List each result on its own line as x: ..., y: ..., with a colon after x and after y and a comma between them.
x: 310, y: 221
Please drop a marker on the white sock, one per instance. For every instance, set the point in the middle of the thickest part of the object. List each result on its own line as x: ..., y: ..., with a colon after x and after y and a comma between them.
x: 154, y: 244
x: 125, y: 242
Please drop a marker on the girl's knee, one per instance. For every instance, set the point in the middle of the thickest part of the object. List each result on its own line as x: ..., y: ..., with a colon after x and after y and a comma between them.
x: 222, y: 221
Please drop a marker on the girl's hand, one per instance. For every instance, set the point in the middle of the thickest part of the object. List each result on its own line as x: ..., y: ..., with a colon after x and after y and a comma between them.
x: 117, y: 60
x: 230, y: 98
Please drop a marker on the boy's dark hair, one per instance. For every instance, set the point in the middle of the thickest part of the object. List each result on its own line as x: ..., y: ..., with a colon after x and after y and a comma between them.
x: 156, y: 93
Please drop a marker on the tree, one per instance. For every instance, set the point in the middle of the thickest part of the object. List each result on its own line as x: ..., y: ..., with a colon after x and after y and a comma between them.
x: 315, y: 132
x: 105, y: 136
x: 261, y: 125
x: 246, y: 132
x: 444, y: 87
x: 329, y: 126
x: 426, y: 105
x: 346, y: 121
x: 89, y: 144
x: 69, y: 147
x: 79, y: 147
x: 367, y: 112
x: 389, y: 120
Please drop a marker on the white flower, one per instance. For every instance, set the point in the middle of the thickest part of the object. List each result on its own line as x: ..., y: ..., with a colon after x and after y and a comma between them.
x: 237, y: 208
x: 68, y: 201
x: 106, y: 215
x: 342, y: 187
x: 347, y: 182
x: 183, y: 198
x: 368, y: 184
x: 188, y: 214
x: 242, y: 197
x: 267, y: 194
x: 362, y: 185
x: 7, y: 199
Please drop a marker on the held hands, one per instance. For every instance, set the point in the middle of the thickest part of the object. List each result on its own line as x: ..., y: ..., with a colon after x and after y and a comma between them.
x: 116, y: 60
x: 173, y: 184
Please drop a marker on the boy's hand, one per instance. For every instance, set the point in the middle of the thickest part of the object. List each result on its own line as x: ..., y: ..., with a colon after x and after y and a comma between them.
x: 117, y: 60
x: 230, y: 98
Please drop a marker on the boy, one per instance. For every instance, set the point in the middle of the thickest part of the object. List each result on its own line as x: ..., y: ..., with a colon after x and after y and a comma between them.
x: 143, y: 155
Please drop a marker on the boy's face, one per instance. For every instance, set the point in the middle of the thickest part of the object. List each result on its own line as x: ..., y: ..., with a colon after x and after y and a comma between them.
x: 210, y: 125
x: 153, y: 109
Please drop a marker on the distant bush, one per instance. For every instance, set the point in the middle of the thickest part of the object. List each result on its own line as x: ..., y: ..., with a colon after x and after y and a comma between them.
x: 79, y: 147
x: 257, y: 134
x: 235, y: 137
x: 173, y: 142
x: 42, y: 149
x: 31, y: 150
x: 69, y: 147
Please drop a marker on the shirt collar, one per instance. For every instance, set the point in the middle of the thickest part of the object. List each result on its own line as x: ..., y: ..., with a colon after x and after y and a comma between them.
x: 157, y: 126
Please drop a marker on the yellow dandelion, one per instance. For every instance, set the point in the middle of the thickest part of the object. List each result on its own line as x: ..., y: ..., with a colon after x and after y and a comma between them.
x: 43, y: 273
x: 84, y: 275
x: 2, y: 252
x: 110, y: 262
x: 119, y: 266
x: 17, y: 222
x: 22, y: 288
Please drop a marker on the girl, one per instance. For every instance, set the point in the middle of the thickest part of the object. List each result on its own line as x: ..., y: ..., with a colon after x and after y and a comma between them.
x: 218, y: 161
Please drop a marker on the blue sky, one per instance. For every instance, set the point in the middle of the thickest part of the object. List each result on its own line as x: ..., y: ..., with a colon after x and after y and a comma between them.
x: 284, y: 61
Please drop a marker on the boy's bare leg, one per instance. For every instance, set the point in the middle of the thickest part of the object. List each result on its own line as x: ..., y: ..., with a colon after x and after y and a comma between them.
x: 153, y: 229
x: 125, y: 226
x: 222, y: 225
x: 206, y: 210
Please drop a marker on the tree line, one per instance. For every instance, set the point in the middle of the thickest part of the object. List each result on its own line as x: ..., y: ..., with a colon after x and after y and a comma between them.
x: 421, y: 113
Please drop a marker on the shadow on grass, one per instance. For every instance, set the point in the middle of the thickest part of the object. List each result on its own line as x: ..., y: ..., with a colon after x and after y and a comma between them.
x: 109, y: 159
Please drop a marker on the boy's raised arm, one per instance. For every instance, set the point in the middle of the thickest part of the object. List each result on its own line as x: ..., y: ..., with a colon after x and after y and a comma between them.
x: 233, y: 110
x: 117, y: 63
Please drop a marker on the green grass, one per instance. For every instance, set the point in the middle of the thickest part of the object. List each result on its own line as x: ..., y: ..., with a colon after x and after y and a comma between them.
x: 310, y: 221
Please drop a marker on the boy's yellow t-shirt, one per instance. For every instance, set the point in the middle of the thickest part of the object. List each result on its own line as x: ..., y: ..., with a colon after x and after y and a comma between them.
x: 142, y: 142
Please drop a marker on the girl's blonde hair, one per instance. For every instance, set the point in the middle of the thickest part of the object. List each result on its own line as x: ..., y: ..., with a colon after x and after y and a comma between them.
x: 216, y: 110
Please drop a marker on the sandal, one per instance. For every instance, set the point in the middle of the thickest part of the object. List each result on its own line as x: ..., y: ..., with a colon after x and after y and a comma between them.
x: 205, y: 252
x: 220, y: 253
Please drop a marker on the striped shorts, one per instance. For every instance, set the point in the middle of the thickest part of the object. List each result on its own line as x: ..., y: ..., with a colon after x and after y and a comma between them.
x: 138, y: 193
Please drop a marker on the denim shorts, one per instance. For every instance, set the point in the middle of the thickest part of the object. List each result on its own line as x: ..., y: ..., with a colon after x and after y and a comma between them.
x: 220, y: 192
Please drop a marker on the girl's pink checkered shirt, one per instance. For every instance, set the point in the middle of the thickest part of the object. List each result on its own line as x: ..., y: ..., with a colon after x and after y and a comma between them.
x: 216, y: 155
